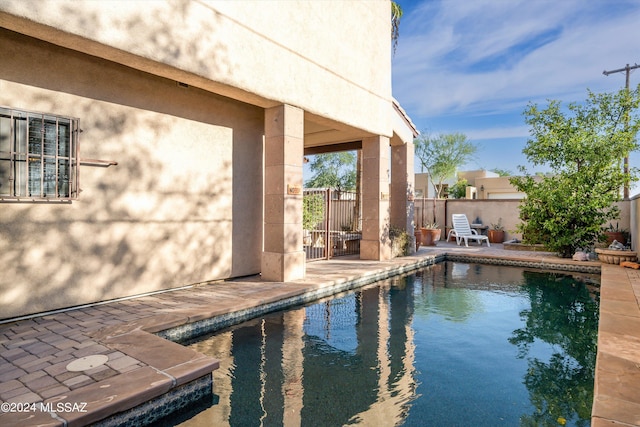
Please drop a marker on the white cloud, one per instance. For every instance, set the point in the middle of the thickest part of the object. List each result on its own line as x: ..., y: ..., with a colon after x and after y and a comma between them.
x: 441, y: 44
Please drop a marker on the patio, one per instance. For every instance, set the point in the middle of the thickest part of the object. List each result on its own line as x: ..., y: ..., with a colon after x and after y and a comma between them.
x: 141, y: 365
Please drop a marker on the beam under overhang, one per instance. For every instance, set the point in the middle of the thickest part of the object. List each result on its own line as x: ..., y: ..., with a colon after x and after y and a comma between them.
x: 332, y: 148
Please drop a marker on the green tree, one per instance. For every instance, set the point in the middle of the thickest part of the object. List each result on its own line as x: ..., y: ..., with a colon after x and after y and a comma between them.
x: 312, y: 211
x: 583, y: 146
x: 459, y: 189
x: 335, y: 170
x: 441, y: 156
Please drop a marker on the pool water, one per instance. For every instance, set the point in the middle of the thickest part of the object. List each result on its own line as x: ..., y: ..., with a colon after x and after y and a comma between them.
x: 450, y: 345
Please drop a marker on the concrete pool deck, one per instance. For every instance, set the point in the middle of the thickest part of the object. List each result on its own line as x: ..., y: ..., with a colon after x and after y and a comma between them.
x: 125, y: 362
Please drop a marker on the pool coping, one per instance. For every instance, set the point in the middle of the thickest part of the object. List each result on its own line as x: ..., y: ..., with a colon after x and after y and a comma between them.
x: 616, y: 400
x: 149, y: 339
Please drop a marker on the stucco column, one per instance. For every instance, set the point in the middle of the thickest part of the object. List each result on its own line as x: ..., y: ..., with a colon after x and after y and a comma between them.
x: 283, y: 257
x: 375, y: 244
x: 402, y: 188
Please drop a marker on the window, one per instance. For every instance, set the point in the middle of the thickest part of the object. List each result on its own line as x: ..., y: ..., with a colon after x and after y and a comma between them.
x: 38, y: 156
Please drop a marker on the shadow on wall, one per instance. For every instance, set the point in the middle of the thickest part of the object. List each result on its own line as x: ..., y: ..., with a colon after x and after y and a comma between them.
x: 180, y: 33
x: 115, y: 240
x: 163, y: 217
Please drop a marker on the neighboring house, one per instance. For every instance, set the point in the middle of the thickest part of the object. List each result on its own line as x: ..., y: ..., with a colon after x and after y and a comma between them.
x: 151, y: 145
x: 424, y: 187
x: 482, y: 184
x: 489, y: 185
x: 497, y: 187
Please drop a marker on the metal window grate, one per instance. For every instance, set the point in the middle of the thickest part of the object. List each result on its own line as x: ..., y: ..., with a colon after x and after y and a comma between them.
x: 38, y: 156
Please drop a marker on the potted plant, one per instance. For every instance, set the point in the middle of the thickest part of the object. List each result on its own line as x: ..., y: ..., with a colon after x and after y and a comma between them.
x: 496, y: 232
x: 430, y: 234
x: 615, y: 233
x: 417, y: 234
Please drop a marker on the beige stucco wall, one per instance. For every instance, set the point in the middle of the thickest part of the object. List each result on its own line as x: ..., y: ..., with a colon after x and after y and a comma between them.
x: 634, y: 220
x: 473, y: 175
x: 496, y: 188
x: 185, y: 202
x: 330, y: 58
x: 625, y: 222
x: 489, y: 212
x: 182, y: 206
x: 507, y: 211
x: 422, y: 185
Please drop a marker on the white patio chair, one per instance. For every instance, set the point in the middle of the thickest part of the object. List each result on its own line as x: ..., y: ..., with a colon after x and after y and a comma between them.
x: 462, y: 231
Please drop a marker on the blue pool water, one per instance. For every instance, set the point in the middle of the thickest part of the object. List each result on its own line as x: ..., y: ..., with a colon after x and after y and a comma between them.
x: 451, y: 345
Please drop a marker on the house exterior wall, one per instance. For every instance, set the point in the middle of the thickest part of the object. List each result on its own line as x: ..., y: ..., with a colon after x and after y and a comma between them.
x: 497, y: 188
x: 184, y: 204
x: 473, y: 175
x: 328, y: 58
x: 424, y: 187
x: 488, y: 184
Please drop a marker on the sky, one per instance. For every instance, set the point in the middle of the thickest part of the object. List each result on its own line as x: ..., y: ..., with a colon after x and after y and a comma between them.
x: 473, y: 66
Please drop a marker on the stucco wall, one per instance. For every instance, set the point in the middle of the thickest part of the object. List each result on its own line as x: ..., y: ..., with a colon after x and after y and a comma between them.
x: 634, y: 221
x: 497, y: 188
x: 489, y: 212
x: 330, y: 58
x: 508, y: 211
x: 182, y: 206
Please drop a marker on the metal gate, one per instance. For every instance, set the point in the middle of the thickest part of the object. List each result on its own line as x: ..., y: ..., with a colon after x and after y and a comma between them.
x: 332, y: 223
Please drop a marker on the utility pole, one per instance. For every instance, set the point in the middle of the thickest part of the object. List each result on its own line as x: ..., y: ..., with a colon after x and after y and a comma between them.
x: 627, y: 69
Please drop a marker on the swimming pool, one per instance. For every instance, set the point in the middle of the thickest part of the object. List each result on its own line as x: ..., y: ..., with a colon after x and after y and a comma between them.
x: 453, y: 344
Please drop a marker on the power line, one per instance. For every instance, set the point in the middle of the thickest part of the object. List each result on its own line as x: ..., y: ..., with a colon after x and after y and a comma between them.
x: 627, y: 71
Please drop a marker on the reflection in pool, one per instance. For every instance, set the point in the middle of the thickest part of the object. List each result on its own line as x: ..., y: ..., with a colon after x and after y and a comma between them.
x: 454, y: 344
